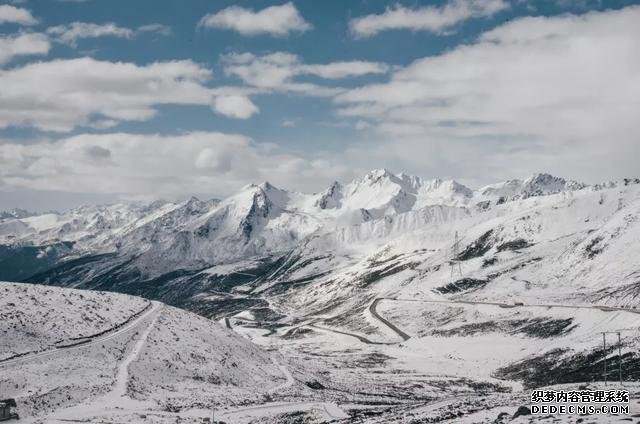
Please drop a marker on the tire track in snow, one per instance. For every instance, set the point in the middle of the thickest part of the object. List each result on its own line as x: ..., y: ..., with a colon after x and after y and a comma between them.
x: 122, y: 377
x: 290, y: 380
x: 101, y: 339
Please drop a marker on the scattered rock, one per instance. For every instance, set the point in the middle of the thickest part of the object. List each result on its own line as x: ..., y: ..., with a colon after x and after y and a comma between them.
x: 522, y: 410
x: 315, y: 385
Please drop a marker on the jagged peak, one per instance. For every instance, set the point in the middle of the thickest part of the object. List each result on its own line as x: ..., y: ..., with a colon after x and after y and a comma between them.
x: 334, y: 185
x: 548, y: 183
x: 267, y: 186
x: 379, y: 172
x: 377, y: 175
x: 192, y: 200
x: 330, y: 197
x: 543, y: 178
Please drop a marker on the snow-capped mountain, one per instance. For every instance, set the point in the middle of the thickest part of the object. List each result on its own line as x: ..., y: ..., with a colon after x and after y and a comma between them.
x: 259, y: 220
x: 16, y: 213
x: 535, y: 185
x: 381, y: 193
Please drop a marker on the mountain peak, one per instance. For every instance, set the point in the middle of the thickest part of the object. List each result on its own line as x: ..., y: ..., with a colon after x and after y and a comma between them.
x: 543, y: 183
x: 376, y: 175
x: 330, y: 198
x: 267, y: 186
x: 379, y: 172
x: 538, y: 184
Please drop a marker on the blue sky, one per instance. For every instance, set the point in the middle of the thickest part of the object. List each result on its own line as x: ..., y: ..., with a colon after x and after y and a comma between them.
x: 413, y: 86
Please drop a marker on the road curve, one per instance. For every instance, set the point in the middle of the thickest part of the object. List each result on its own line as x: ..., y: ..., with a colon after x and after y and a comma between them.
x: 357, y: 336
x: 374, y: 312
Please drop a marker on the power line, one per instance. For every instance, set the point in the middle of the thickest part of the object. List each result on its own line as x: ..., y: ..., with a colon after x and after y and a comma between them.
x: 455, y: 261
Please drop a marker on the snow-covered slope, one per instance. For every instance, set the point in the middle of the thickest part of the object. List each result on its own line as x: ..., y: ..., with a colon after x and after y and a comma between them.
x: 84, y: 354
x: 38, y: 318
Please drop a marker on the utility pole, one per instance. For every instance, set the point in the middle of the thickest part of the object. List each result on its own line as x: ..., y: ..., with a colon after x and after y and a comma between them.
x: 455, y: 261
x: 620, y: 358
x: 604, y: 350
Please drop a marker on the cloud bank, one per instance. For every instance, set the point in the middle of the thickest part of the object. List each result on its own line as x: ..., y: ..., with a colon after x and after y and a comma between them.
x: 563, y: 91
x: 160, y: 166
x: 62, y: 94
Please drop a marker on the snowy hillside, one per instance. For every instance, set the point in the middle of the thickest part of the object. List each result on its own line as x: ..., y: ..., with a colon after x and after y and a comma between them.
x: 36, y: 318
x: 84, y: 354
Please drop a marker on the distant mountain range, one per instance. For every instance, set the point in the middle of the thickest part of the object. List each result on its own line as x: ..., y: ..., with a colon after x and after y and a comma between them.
x: 175, y: 252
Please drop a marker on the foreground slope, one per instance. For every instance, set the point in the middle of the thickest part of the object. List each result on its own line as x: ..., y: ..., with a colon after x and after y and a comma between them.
x: 78, y: 355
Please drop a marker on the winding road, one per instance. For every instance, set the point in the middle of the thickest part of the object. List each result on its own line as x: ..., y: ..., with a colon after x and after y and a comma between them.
x: 404, y: 336
x: 374, y: 312
x: 603, y: 308
x: 346, y: 333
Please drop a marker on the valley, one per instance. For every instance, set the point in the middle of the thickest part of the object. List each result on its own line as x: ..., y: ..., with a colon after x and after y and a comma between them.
x: 385, y: 300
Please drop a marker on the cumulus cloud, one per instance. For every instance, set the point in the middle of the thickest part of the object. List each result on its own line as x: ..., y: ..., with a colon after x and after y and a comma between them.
x: 62, y: 94
x: 16, y: 15
x: 558, y: 93
x: 436, y: 19
x: 276, y: 71
x: 23, y: 45
x: 234, y: 106
x: 274, y: 20
x: 161, y: 166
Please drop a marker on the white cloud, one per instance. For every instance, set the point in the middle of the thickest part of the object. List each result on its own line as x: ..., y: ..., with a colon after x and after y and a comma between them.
x: 17, y: 15
x: 436, y: 19
x: 62, y: 94
x: 23, y: 45
x: 159, y: 166
x: 70, y: 34
x: 276, y: 71
x: 338, y: 70
x: 554, y: 93
x: 234, y: 106
x: 156, y: 29
x: 274, y: 20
